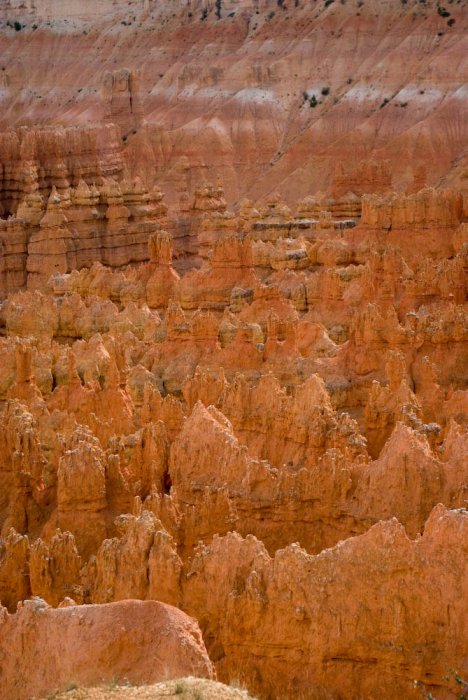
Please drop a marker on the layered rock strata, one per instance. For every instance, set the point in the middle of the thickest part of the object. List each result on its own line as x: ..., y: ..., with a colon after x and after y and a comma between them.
x: 109, y: 223
x: 291, y: 95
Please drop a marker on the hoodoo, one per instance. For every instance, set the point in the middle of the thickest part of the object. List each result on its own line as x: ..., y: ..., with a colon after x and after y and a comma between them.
x: 233, y: 349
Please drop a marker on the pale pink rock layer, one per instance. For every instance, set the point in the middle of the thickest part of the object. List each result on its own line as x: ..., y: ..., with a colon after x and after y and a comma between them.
x: 196, y: 87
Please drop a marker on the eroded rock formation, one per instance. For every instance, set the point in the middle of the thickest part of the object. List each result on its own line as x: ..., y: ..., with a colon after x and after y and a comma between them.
x: 307, y: 389
x: 97, y: 643
x: 252, y: 409
x: 108, y: 223
x: 271, y: 94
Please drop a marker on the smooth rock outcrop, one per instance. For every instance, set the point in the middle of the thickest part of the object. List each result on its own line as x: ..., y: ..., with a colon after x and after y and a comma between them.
x: 43, y: 648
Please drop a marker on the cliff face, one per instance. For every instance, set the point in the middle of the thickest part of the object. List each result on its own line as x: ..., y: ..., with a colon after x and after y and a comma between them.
x: 271, y: 95
x: 322, y: 614
x: 251, y: 402
x: 36, y: 160
x: 74, y: 227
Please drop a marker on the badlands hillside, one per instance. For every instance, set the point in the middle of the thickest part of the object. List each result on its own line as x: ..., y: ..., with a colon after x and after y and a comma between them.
x: 272, y: 94
x: 234, y: 349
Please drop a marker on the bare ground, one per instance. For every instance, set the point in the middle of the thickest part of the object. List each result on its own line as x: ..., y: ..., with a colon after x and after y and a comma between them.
x: 183, y: 689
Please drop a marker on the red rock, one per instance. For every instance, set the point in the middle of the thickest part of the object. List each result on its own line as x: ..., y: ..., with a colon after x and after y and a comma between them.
x: 329, y: 612
x: 189, y: 389
x: 143, y: 642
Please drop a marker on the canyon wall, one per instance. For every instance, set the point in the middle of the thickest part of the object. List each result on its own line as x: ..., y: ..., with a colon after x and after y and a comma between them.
x: 233, y: 344
x: 298, y: 96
